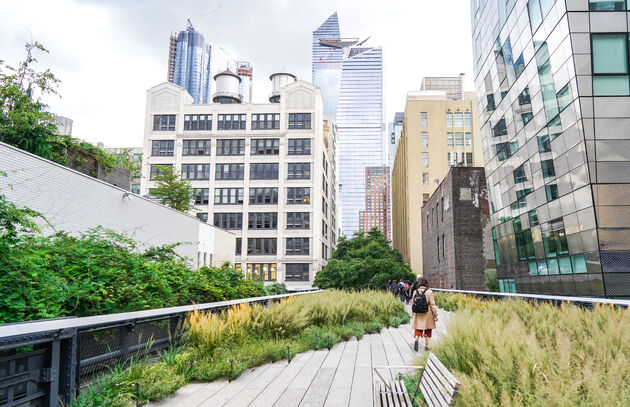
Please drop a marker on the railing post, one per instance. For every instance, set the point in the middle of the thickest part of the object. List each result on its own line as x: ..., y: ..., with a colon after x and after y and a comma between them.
x: 52, y: 373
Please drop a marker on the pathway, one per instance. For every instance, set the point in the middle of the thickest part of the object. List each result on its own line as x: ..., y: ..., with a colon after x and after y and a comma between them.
x: 342, y: 376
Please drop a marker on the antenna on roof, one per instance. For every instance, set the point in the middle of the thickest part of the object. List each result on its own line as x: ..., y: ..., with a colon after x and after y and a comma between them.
x: 365, y: 40
x: 190, y: 26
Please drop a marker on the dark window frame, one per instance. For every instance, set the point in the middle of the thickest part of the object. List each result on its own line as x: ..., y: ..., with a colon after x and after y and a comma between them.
x: 162, y: 148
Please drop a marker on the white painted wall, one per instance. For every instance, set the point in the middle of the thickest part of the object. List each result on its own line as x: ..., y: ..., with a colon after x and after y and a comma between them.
x: 74, y: 202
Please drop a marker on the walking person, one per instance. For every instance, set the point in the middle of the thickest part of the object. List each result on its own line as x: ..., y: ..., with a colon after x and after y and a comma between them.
x: 425, y: 314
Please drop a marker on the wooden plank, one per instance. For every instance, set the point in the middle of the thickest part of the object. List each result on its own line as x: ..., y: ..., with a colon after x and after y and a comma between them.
x: 406, y: 350
x: 228, y: 392
x: 441, y: 393
x: 377, y: 394
x: 298, y: 387
x: 392, y: 353
x: 341, y: 387
x: 362, y: 382
x: 389, y: 392
x: 447, y: 374
x: 249, y: 394
x: 400, y: 393
x: 408, y: 402
x: 320, y: 387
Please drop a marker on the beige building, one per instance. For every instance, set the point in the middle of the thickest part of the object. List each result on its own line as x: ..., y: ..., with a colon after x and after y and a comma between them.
x: 438, y: 132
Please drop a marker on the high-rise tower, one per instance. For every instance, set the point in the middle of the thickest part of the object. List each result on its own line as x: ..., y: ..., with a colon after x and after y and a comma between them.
x: 189, y: 63
x: 350, y: 76
x: 245, y: 71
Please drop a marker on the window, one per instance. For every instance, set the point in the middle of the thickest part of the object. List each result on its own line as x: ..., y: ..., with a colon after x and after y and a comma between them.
x: 196, y: 147
x: 202, y: 197
x: 324, y: 207
x: 231, y: 147
x: 299, y: 171
x: 424, y: 122
x: 324, y: 251
x: 232, y: 122
x: 554, y: 238
x: 239, y: 246
x: 610, y: 64
x: 424, y: 139
x: 299, y: 120
x: 263, y: 220
x: 449, y: 139
x: 264, y: 271
x: 261, y: 246
x: 564, y: 97
x: 451, y: 158
x: 519, y: 65
x: 299, y: 146
x: 527, y: 117
x: 196, y: 171
x: 297, y: 246
x: 520, y: 175
x: 506, y: 150
x: 552, y: 192
x: 228, y: 220
x: 269, y: 146
x: 164, y: 122
x: 524, y: 245
x: 263, y: 196
x: 491, y: 105
x: 298, y: 195
x: 467, y: 119
x: 548, y: 168
x: 228, y: 196
x: 544, y: 144
x: 296, y: 272
x: 425, y: 198
x: 524, y: 98
x: 538, y: 9
x: 324, y: 185
x: 324, y: 229
x: 263, y: 171
x: 607, y: 5
x: 533, y: 218
x: 459, y: 139
x: 197, y: 122
x: 135, y: 188
x: 425, y: 178
x: 229, y: 171
x: 468, y: 137
x: 500, y: 129
x: 265, y: 121
x: 298, y: 220
x: 459, y: 120
x: 162, y: 148
x: 202, y: 216
x: 469, y: 159
x: 424, y: 156
x: 449, y: 120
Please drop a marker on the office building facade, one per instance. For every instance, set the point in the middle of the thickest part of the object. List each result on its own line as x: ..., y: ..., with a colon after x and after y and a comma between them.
x: 437, y: 133
x: 377, y: 201
x: 266, y: 172
x: 553, y: 87
x: 351, y: 78
x: 189, y: 63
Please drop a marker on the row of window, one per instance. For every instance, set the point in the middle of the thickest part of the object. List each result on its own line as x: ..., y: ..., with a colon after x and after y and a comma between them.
x: 236, y: 171
x: 459, y: 120
x: 269, y: 246
x: 268, y: 271
x: 454, y: 159
x: 459, y: 139
x: 257, y: 196
x: 260, y: 220
x: 267, y: 121
x: 226, y: 147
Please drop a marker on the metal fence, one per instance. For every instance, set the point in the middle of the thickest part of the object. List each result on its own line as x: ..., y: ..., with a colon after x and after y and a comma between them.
x: 45, y: 363
x: 588, y: 302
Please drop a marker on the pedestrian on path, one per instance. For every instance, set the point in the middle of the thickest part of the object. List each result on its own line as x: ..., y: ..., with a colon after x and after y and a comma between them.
x: 425, y: 314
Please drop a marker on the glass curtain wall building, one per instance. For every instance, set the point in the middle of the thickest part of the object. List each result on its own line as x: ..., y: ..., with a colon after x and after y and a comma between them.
x: 553, y: 89
x: 350, y: 76
x: 189, y: 64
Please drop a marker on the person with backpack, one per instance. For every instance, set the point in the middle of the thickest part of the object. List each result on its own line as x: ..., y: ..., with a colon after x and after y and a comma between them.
x: 425, y: 314
x: 401, y: 290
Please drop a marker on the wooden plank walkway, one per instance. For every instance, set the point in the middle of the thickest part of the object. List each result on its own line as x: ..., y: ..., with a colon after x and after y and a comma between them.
x: 342, y: 376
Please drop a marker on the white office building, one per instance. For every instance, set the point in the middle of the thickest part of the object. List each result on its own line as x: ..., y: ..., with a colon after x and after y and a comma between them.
x: 266, y: 172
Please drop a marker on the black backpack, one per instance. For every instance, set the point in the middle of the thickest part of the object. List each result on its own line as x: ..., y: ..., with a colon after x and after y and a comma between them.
x: 420, y: 304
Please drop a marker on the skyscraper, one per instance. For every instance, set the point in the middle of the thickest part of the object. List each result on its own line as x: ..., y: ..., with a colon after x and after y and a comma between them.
x: 377, y: 205
x: 351, y: 78
x: 553, y: 90
x: 394, y: 128
x: 246, y: 72
x: 189, y: 64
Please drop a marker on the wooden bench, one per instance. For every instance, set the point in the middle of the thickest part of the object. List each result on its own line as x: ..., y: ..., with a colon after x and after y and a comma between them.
x: 439, y: 387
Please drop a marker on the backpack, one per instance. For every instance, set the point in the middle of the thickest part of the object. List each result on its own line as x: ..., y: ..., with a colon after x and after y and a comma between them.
x: 420, y: 304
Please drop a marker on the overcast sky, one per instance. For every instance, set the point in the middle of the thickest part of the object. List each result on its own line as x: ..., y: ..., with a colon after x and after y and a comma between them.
x: 107, y: 53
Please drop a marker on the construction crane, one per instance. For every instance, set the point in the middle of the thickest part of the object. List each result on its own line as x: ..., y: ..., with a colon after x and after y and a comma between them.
x: 190, y: 26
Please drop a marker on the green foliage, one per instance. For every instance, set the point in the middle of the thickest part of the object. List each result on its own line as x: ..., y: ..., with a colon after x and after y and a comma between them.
x: 98, y: 272
x: 514, y: 353
x: 491, y: 281
x: 173, y: 191
x: 276, y: 289
x: 365, y: 261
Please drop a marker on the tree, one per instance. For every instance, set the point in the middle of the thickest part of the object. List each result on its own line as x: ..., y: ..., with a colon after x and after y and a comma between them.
x: 24, y: 119
x: 173, y: 191
x: 365, y: 261
x: 491, y: 281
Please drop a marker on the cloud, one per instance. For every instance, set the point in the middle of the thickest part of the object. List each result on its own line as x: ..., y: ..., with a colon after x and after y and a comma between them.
x: 108, y: 53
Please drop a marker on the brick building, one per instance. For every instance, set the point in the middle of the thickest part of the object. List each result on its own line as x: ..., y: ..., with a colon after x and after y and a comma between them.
x: 456, y: 236
x: 377, y: 201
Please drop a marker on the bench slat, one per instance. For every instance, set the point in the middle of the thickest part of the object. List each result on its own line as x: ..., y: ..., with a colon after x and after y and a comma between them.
x: 445, y: 372
x: 428, y: 395
x: 390, y: 396
x: 405, y: 395
x: 437, y: 375
x: 443, y: 394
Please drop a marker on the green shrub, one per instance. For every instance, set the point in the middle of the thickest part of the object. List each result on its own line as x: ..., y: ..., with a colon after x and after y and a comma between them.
x: 276, y: 289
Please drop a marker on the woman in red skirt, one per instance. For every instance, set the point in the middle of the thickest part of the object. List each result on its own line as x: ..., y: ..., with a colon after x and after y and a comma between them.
x: 423, y: 322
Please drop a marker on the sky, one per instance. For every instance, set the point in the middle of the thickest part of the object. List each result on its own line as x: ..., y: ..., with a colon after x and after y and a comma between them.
x: 107, y: 53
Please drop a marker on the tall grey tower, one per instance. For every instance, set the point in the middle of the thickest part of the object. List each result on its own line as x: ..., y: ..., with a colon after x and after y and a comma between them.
x: 350, y: 76
x: 189, y: 63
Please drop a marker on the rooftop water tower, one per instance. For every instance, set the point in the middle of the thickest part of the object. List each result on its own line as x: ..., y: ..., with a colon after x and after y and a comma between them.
x: 227, y: 87
x: 279, y: 80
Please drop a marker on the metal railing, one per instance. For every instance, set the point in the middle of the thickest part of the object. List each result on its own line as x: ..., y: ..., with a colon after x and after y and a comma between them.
x: 45, y: 363
x: 588, y: 302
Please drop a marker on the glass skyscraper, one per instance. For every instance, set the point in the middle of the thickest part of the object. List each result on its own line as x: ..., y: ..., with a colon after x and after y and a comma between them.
x: 350, y: 76
x: 553, y: 89
x: 189, y: 64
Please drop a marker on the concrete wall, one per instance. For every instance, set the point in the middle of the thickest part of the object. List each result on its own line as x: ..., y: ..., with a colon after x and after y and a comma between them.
x: 74, y: 202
